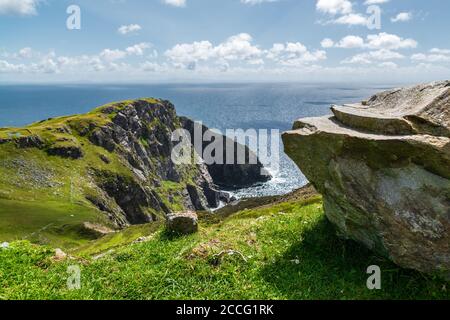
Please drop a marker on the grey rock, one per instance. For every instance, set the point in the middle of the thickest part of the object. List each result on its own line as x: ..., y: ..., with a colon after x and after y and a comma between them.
x: 231, y: 175
x: 385, y: 180
x: 182, y: 223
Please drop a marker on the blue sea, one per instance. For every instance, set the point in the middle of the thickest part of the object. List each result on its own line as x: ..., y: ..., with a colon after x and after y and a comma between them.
x: 220, y: 106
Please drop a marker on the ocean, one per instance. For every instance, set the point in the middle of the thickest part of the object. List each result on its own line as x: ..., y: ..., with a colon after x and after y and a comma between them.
x: 219, y: 106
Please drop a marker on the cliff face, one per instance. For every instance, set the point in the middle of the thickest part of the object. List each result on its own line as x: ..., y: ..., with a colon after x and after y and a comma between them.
x: 383, y: 167
x: 226, y: 175
x: 115, y: 160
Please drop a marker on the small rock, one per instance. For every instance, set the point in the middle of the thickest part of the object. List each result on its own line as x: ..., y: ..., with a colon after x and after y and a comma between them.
x: 182, y: 223
x: 141, y: 240
x: 96, y: 230
x: 59, y: 255
x: 4, y: 245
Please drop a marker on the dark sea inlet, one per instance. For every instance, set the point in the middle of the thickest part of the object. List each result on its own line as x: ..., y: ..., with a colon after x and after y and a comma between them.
x: 220, y: 106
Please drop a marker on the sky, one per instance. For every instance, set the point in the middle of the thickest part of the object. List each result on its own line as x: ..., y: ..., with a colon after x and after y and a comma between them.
x: 160, y: 41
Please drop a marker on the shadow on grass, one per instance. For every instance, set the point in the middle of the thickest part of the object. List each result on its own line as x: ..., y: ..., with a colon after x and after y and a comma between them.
x: 323, y: 266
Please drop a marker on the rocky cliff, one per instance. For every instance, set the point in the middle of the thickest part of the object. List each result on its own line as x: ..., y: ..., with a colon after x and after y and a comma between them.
x: 383, y: 167
x: 115, y: 161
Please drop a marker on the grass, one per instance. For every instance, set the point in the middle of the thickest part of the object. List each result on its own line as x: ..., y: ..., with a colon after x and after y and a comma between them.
x: 283, y: 251
x: 46, y: 222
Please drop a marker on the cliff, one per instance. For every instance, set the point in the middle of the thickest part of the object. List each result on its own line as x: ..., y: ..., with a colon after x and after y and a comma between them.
x: 111, y: 166
x: 383, y: 167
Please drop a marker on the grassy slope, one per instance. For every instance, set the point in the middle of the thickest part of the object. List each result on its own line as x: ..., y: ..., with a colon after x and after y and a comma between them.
x: 42, y: 197
x: 290, y: 251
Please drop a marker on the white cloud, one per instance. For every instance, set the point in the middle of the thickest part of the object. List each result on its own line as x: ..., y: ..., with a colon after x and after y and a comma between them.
x: 334, y: 7
x: 350, y: 42
x: 352, y: 19
x: 25, y: 53
x: 327, y: 43
x: 129, y: 29
x: 112, y: 54
x: 379, y: 41
x: 294, y: 54
x: 188, y: 53
x: 440, y: 51
x: 402, y: 17
x: 6, y: 67
x: 138, y: 49
x: 370, y: 2
x: 436, y: 55
x: 389, y: 41
x: 176, y: 3
x: 370, y: 57
x: 235, y: 48
x: 19, y: 7
x: 238, y: 47
x: 149, y: 66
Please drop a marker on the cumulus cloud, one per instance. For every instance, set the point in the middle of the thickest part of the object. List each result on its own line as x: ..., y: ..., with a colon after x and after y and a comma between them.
x: 389, y: 41
x: 435, y: 55
x: 138, y: 49
x: 350, y: 42
x: 6, y: 67
x: 294, y: 54
x: 327, y: 43
x: 342, y: 12
x: 176, y: 3
x: 402, y: 17
x: 126, y: 29
x: 112, y: 54
x: 379, y: 41
x: 352, y: 19
x: 370, y: 2
x: 236, y: 48
x: 19, y: 7
x: 334, y: 7
x: 370, y: 57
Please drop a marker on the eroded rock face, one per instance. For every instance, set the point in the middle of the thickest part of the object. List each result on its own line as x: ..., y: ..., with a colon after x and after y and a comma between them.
x: 383, y: 167
x: 231, y: 175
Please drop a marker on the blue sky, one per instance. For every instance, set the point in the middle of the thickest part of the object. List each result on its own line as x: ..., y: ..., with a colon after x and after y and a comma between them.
x: 225, y: 40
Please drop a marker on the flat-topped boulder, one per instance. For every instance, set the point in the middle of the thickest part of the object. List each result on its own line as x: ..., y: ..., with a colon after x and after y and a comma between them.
x: 384, y: 187
x: 421, y: 109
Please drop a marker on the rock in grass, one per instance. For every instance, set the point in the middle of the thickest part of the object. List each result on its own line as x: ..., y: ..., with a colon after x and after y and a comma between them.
x: 4, y: 245
x: 182, y: 223
x: 383, y: 168
x: 59, y: 255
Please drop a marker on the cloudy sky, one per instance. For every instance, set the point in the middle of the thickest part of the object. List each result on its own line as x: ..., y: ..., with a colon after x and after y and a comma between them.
x: 224, y: 40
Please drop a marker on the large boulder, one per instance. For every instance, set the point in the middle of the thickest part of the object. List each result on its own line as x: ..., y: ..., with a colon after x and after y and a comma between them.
x: 383, y: 167
x: 182, y: 223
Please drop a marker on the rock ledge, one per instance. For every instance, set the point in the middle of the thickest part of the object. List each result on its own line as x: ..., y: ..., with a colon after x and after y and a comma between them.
x: 383, y: 167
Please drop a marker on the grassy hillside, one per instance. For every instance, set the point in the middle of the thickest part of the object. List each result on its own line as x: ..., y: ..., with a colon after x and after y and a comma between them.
x: 53, y: 176
x: 283, y: 250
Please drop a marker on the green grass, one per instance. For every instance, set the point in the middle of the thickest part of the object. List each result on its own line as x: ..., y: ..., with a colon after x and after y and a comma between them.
x: 289, y: 251
x: 46, y: 222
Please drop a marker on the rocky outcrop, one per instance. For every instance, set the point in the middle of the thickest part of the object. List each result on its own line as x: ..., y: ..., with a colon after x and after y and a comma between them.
x: 141, y: 133
x: 233, y: 175
x: 383, y: 167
